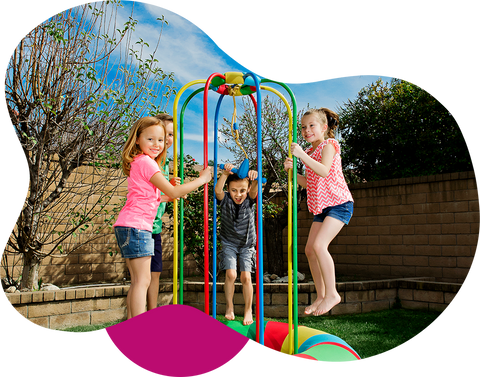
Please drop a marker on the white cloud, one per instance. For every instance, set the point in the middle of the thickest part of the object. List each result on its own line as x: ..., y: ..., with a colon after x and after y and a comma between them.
x: 193, y: 137
x: 182, y: 44
x: 199, y: 137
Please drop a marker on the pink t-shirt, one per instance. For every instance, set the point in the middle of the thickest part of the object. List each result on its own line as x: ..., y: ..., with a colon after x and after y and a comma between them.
x: 143, y: 197
x: 326, y: 191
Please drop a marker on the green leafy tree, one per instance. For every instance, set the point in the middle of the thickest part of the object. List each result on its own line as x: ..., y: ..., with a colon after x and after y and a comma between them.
x: 396, y: 129
x: 74, y: 85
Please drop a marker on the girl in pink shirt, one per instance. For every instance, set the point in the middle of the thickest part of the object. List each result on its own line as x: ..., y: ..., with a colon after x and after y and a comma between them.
x: 328, y: 198
x: 143, y: 154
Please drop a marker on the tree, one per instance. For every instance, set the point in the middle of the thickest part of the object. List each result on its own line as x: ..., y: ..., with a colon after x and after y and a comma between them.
x: 73, y: 86
x: 396, y: 129
x: 274, y: 151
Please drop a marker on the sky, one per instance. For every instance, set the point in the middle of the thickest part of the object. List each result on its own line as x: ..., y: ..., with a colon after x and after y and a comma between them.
x: 191, y: 52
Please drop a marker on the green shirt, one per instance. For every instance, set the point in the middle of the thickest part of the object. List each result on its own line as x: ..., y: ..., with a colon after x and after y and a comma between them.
x: 157, y: 223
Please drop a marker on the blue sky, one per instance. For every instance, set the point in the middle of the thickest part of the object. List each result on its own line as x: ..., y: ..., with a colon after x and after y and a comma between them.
x: 192, y: 55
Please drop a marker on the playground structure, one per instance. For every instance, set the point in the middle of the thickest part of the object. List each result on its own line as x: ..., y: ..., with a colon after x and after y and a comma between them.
x: 247, y: 84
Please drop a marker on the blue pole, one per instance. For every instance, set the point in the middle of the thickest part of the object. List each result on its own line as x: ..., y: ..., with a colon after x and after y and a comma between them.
x: 215, y: 164
x: 260, y: 310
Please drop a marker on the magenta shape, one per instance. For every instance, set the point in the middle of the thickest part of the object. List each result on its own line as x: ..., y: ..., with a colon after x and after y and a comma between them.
x: 176, y: 340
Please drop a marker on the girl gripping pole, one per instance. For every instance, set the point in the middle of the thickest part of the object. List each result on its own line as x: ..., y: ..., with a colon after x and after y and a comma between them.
x: 143, y: 154
x: 328, y: 198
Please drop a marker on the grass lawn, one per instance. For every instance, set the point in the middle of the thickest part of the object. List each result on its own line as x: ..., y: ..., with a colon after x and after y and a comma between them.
x: 373, y: 333
x: 88, y: 328
x: 369, y: 334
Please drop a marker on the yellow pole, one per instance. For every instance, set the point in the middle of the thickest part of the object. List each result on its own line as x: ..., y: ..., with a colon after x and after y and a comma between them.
x: 290, y: 238
x: 175, y: 173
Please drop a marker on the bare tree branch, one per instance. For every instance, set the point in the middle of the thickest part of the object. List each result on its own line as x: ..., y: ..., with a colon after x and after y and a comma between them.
x: 74, y: 85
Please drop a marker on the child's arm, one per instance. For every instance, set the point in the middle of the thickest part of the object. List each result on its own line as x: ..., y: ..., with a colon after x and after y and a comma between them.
x: 320, y: 168
x: 252, y: 175
x: 219, y: 193
x: 175, y: 182
x: 175, y: 192
x: 301, y: 180
x: 165, y: 198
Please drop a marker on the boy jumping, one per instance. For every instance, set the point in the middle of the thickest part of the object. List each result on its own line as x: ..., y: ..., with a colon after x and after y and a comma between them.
x: 237, y: 235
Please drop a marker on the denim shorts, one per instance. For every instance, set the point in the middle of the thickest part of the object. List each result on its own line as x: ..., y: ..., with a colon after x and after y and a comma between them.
x: 342, y: 212
x: 229, y: 254
x: 134, y: 243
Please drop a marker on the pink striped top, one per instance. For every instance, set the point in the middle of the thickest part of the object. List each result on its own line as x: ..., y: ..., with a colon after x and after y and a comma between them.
x: 331, y: 190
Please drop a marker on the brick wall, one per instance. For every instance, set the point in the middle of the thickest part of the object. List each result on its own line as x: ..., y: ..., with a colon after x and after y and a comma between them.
x: 69, y: 308
x: 410, y: 227
x: 356, y: 297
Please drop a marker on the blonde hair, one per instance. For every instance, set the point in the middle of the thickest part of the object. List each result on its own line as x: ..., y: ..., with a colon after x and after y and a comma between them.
x: 131, y: 148
x: 325, y: 116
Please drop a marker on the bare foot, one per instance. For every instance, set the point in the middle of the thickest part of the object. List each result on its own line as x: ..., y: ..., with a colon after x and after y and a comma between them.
x: 310, y: 309
x: 229, y: 314
x: 327, y: 304
x: 247, y: 317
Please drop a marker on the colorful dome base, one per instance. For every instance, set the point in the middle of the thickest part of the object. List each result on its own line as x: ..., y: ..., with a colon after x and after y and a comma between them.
x: 312, y: 344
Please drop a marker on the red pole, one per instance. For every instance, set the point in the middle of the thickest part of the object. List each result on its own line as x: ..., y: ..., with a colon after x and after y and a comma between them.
x: 254, y: 102
x: 206, y: 252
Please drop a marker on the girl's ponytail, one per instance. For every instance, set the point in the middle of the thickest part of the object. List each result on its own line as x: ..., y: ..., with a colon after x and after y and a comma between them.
x: 332, y: 121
